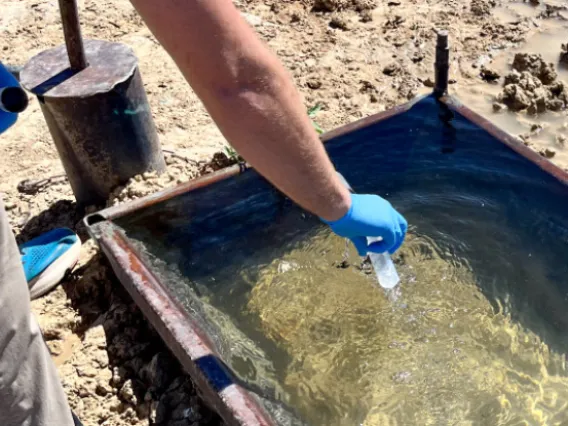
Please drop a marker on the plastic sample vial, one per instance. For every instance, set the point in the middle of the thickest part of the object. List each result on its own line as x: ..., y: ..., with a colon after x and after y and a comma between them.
x: 384, y: 267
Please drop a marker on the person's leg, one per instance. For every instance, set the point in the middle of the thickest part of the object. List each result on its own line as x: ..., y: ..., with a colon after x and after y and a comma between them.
x: 30, y: 391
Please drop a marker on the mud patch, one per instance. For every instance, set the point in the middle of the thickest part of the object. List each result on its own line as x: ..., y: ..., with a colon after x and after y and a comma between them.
x: 489, y: 74
x: 502, y: 36
x: 564, y: 54
x: 533, y: 86
x: 482, y: 7
x: 335, y: 5
x: 552, y: 11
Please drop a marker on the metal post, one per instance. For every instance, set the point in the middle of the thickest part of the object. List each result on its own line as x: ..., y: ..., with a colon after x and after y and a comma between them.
x: 442, y: 66
x: 72, y: 32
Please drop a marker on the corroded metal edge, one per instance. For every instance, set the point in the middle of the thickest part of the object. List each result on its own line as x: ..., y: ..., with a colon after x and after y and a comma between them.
x: 180, y: 332
x: 115, y: 212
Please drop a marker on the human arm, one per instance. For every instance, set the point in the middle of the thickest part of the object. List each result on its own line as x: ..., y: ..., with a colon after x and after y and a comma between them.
x: 251, y: 98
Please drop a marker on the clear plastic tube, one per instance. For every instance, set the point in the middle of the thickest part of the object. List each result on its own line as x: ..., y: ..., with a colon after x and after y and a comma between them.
x: 384, y: 268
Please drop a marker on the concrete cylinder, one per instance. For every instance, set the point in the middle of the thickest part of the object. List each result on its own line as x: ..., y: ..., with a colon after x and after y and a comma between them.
x: 99, y: 117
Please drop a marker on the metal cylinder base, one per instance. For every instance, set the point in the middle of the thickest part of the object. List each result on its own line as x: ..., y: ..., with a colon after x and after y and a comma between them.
x: 99, y: 117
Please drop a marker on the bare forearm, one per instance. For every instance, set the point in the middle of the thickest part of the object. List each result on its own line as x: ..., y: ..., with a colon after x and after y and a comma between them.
x: 272, y: 131
x: 250, y: 97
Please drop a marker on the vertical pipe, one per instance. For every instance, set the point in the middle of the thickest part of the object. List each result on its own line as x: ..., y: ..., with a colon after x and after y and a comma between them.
x: 72, y: 32
x: 442, y: 66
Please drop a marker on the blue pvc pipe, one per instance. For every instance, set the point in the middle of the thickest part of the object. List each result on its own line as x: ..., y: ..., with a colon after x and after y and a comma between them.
x: 7, y: 119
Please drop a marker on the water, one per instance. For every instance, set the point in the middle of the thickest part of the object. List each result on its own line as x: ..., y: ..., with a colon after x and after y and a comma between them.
x: 476, y: 331
x: 440, y: 354
x: 515, y: 11
x: 316, y: 333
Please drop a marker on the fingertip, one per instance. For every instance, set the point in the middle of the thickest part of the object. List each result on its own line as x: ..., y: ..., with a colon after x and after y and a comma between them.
x: 361, y: 245
x: 404, y: 229
x: 403, y: 224
x: 394, y: 250
x: 399, y: 241
x: 378, y: 247
x: 402, y: 221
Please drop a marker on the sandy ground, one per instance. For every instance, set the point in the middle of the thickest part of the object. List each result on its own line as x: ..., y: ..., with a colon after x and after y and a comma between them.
x: 353, y: 57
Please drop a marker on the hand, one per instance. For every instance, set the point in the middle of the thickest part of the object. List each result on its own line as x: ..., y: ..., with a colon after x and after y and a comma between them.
x: 371, y: 216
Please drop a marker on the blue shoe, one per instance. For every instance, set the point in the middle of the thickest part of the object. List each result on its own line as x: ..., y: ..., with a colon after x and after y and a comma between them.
x: 47, y: 258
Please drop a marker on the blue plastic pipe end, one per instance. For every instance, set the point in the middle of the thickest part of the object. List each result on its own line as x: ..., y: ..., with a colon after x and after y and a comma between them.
x: 8, y: 82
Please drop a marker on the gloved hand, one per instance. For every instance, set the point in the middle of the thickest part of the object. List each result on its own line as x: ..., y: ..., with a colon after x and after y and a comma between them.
x: 13, y: 99
x: 371, y: 216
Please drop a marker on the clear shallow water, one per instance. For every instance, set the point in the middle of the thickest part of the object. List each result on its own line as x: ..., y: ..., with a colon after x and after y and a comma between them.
x: 477, y: 334
x: 336, y: 349
x: 437, y: 353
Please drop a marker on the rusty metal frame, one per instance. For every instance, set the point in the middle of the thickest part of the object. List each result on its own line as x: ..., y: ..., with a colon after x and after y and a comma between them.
x: 180, y: 332
x: 177, y: 328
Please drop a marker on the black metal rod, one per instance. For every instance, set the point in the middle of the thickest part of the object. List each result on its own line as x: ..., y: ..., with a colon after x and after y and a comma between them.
x: 442, y: 66
x: 72, y: 32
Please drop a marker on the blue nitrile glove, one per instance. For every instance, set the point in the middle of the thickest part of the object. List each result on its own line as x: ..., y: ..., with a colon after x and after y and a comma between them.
x: 371, y: 216
x: 13, y: 99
